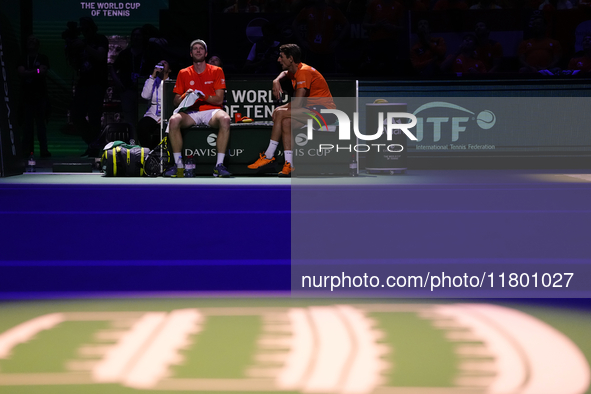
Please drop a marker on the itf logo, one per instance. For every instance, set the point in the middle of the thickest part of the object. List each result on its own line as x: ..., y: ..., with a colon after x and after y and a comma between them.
x: 485, y: 120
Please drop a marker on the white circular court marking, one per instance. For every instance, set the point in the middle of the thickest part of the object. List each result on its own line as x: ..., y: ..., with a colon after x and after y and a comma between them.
x: 300, y: 353
x: 333, y: 349
x: 118, y: 359
x: 24, y: 332
x: 555, y: 364
x: 163, y: 350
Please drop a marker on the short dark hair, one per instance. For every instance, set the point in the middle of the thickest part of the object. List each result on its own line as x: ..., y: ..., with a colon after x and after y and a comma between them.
x: 292, y: 50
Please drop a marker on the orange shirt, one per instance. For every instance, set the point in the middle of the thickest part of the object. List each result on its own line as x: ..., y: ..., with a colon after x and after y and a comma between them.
x: 210, y: 80
x: 580, y: 63
x: 309, y: 78
x: 463, y: 64
x: 488, y: 52
x: 421, y: 56
x: 322, y: 26
x: 540, y: 53
x: 383, y: 11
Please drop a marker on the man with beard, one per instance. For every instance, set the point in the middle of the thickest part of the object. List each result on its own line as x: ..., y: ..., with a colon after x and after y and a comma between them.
x: 209, y: 81
x: 311, y: 95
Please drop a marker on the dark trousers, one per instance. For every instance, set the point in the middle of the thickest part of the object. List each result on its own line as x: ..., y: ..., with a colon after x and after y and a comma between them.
x: 88, y: 101
x: 35, y: 111
x: 148, y: 132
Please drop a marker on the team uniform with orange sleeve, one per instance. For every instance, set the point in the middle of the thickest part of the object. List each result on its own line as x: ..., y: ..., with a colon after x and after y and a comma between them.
x: 384, y: 11
x: 210, y: 80
x: 580, y: 63
x: 322, y: 25
x: 540, y: 53
x: 309, y: 78
x: 318, y: 97
x: 422, y: 56
x: 488, y: 52
x: 466, y: 64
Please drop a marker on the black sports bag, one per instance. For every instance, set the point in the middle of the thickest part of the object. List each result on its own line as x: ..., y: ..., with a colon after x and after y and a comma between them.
x: 121, y: 159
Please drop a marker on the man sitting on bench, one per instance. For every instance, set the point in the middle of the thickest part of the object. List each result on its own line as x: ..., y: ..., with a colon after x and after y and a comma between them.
x: 210, y: 82
x: 311, y: 95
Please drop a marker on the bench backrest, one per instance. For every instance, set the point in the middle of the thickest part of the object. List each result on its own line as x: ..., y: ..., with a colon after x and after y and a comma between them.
x: 253, y: 98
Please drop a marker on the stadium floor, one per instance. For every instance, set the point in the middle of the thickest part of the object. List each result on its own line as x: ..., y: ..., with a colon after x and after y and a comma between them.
x: 188, y: 234
x: 411, y: 177
x: 57, y: 340
x: 279, y: 345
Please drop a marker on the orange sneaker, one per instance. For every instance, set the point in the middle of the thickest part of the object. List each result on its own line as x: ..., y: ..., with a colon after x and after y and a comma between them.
x: 261, y: 162
x: 287, y: 170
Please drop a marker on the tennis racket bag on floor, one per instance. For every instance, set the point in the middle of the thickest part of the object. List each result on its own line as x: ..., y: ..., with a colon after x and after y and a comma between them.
x: 121, y: 159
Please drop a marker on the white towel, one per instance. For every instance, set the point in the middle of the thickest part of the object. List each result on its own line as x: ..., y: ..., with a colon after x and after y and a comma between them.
x: 187, y: 102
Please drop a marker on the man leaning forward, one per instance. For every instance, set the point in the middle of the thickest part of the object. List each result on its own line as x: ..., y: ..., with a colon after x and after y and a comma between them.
x: 311, y: 94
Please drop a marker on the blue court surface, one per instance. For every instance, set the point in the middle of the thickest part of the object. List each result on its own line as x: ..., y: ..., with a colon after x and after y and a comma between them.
x: 86, y: 233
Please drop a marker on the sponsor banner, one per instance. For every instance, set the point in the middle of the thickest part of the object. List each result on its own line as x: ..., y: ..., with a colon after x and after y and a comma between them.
x: 485, y: 125
x: 246, y: 143
x: 254, y: 99
x: 475, y: 125
x: 110, y: 16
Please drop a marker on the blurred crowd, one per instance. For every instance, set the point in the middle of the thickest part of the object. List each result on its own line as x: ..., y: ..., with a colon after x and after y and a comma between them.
x: 269, y: 6
x: 411, y: 38
x: 382, y: 39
